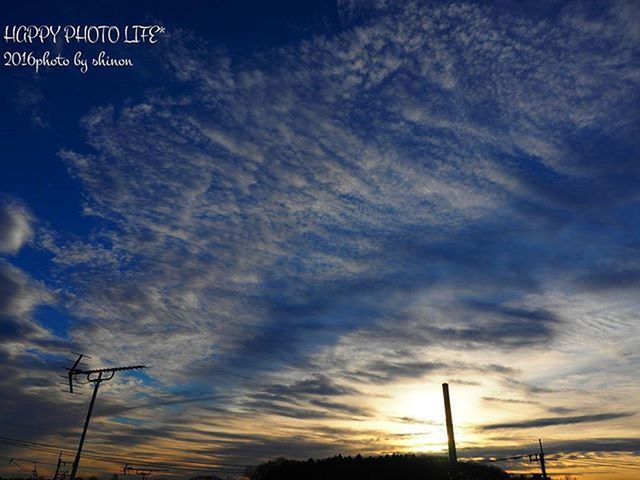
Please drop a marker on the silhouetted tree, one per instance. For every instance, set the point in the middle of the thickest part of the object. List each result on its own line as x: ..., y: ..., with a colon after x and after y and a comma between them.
x: 397, y: 467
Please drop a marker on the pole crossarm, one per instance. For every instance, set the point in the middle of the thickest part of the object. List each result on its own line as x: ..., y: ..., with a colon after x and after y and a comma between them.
x: 140, y: 472
x: 533, y: 457
x: 74, y: 371
x: 114, y: 369
x: 530, y: 456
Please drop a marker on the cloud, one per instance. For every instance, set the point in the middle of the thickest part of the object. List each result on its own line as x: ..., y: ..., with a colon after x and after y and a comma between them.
x: 318, y: 409
x: 509, y: 400
x: 414, y: 421
x: 584, y: 446
x: 565, y: 420
x: 18, y: 297
x: 70, y: 253
x: 306, y: 398
x: 319, y: 385
x: 15, y: 226
x: 381, y: 371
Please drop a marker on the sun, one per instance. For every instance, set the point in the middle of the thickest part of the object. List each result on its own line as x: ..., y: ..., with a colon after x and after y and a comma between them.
x: 417, y: 418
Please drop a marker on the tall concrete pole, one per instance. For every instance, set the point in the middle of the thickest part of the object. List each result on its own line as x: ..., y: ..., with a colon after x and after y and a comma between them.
x: 453, y: 456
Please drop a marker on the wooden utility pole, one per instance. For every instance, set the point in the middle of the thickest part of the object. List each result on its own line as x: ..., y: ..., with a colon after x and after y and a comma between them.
x: 453, y: 456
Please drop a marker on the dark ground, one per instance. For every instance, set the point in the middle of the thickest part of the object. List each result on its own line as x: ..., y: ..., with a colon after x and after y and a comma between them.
x: 396, y: 467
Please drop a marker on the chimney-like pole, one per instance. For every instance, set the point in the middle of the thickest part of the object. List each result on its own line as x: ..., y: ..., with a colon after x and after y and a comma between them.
x: 453, y: 457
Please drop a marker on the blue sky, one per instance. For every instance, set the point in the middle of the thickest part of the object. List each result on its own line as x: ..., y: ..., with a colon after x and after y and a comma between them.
x: 307, y: 218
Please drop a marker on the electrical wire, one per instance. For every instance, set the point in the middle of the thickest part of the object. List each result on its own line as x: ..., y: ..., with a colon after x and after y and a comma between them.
x: 55, y: 449
x: 169, y: 466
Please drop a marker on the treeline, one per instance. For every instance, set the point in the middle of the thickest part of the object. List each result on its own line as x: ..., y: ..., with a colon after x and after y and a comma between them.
x: 387, y: 467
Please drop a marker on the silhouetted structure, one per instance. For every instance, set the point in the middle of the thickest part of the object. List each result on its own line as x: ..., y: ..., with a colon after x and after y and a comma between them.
x: 143, y: 473
x: 397, y: 467
x: 542, y: 462
x: 453, y: 456
x: 533, y: 457
x: 95, y: 376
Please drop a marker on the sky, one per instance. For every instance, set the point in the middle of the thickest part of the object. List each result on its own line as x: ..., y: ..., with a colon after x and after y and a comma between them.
x: 304, y: 217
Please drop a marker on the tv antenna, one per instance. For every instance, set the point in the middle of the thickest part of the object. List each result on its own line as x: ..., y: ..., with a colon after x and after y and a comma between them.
x: 95, y: 376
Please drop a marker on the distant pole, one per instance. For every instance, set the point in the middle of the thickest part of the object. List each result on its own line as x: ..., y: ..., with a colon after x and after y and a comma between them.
x: 543, y: 467
x: 55, y: 475
x: 453, y: 457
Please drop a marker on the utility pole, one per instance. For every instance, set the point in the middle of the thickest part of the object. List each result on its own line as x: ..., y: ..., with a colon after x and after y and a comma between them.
x: 453, y: 456
x: 55, y: 475
x: 543, y: 466
x: 76, y: 462
x: 533, y: 457
x: 142, y: 473
x: 62, y: 468
x: 95, y: 376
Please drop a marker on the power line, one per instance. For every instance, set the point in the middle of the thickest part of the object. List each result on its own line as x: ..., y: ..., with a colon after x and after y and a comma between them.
x: 533, y: 457
x: 595, y: 459
x: 586, y: 462
x: 169, y: 469
x: 50, y: 448
x: 39, y: 462
x: 172, y: 465
x: 54, y: 448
